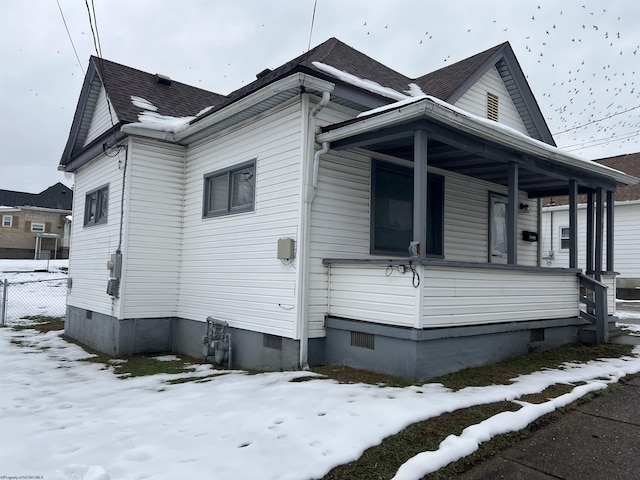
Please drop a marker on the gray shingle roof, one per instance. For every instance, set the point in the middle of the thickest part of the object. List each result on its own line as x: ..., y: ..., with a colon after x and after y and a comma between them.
x: 176, y: 100
x: 58, y: 196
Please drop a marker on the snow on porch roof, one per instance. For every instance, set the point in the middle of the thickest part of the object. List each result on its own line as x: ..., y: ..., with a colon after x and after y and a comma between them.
x: 435, y: 110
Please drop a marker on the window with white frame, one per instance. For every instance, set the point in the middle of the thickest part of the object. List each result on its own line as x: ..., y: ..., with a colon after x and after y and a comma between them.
x: 37, y: 227
x: 7, y: 221
x: 230, y: 191
x: 564, y: 238
x: 95, y: 206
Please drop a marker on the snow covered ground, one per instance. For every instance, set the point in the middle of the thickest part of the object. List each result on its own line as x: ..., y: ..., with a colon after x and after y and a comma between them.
x: 63, y: 418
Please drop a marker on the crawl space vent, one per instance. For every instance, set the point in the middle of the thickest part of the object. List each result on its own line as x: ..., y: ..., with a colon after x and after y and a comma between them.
x: 363, y: 340
x: 272, y: 341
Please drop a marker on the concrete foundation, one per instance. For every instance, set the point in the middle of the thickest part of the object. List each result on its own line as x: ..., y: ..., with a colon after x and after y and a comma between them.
x: 424, y: 354
x: 628, y: 288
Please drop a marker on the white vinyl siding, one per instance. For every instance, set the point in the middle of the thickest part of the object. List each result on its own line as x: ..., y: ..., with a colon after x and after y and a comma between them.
x: 230, y: 268
x: 100, y: 122
x: 475, y: 100
x: 152, y: 255
x: 91, y: 247
x: 449, y: 296
x: 626, y: 232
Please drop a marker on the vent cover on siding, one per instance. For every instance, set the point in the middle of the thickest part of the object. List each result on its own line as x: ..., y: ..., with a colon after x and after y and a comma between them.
x: 272, y: 341
x: 492, y: 106
x: 363, y: 340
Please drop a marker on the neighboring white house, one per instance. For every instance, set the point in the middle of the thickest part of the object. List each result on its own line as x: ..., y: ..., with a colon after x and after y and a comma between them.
x: 332, y: 211
x: 555, y: 229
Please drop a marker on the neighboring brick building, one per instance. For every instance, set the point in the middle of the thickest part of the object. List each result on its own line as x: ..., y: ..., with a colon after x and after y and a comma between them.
x: 35, y: 225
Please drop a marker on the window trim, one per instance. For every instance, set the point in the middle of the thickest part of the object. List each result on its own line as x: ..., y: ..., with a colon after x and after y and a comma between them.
x: 393, y: 167
x: 44, y: 227
x: 230, y: 209
x: 567, y: 238
x: 102, y: 196
x: 4, y: 218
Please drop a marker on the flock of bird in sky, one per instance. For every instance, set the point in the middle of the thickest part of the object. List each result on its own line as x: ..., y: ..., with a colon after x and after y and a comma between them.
x: 586, y: 61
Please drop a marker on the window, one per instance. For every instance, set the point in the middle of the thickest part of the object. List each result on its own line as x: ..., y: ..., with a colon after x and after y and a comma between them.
x: 95, y: 206
x: 7, y: 221
x: 392, y: 210
x: 564, y: 238
x: 492, y: 107
x: 498, y: 252
x: 37, y: 227
x: 230, y: 191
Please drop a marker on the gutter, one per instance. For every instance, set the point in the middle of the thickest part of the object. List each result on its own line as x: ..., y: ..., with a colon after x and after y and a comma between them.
x: 449, y: 115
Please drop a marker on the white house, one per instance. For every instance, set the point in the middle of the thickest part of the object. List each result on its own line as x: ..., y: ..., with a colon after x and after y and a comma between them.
x: 332, y: 211
x: 626, y: 265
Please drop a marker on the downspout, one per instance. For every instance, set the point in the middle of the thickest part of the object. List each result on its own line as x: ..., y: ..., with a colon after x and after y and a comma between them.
x: 304, y: 242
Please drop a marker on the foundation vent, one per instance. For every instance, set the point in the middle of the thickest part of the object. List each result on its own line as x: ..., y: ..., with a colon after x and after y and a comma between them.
x: 272, y: 341
x: 537, y: 334
x: 363, y: 340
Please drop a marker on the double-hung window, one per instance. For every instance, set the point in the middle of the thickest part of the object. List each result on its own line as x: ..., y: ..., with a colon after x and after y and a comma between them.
x: 95, y: 206
x: 228, y: 191
x: 565, y: 238
x: 7, y: 221
x: 392, y: 210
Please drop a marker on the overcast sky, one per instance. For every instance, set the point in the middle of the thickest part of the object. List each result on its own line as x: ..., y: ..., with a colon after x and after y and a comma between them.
x: 582, y: 58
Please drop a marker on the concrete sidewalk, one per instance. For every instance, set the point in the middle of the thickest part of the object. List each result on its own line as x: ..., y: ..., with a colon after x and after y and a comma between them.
x: 600, y: 440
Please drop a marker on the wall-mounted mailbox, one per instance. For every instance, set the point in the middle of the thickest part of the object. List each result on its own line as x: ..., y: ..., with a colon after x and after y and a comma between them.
x: 286, y: 248
x: 529, y: 236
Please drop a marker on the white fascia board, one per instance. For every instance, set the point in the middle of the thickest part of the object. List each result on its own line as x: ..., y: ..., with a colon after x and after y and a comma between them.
x: 293, y: 81
x: 502, y: 135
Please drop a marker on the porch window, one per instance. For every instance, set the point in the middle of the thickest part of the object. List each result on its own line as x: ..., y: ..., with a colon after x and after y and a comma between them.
x: 392, y: 210
x: 230, y: 191
x: 95, y: 206
x: 565, y: 239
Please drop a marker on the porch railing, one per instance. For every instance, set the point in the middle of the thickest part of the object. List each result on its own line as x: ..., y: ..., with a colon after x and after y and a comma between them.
x: 593, y: 295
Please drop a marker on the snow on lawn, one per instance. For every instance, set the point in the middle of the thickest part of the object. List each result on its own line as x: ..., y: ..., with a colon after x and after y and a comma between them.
x: 70, y: 419
x: 81, y: 421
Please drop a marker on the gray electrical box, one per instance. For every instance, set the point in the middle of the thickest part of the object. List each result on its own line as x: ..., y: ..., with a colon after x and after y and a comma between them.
x: 112, y: 287
x: 286, y: 248
x: 115, y: 265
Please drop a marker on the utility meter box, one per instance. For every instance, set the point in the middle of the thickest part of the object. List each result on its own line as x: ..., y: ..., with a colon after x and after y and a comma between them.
x: 286, y: 248
x: 115, y: 265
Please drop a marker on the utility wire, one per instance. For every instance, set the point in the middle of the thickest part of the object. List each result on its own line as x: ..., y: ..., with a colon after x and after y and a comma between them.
x: 602, y: 141
x: 70, y: 39
x: 313, y: 19
x: 596, y: 121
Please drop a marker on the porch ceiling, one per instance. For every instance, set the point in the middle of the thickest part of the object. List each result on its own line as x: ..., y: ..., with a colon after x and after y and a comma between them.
x: 462, y: 147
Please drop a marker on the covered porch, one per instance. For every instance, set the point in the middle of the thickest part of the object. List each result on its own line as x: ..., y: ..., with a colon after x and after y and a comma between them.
x: 412, y: 285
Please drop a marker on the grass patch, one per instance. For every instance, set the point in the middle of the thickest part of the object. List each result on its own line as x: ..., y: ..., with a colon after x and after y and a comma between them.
x: 42, y: 324
x: 503, y: 372
x: 383, y: 461
x: 353, y: 375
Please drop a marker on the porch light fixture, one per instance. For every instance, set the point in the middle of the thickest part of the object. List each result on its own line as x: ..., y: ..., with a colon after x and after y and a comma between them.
x: 524, y: 207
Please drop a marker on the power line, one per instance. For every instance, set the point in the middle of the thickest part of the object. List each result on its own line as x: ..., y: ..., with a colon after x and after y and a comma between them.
x: 70, y: 39
x: 596, y: 121
x: 313, y: 19
x: 602, y: 141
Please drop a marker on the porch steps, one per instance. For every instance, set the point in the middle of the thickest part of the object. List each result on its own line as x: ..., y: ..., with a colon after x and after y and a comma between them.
x: 587, y: 333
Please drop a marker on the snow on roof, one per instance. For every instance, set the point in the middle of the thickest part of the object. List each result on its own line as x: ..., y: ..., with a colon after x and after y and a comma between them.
x: 143, y: 103
x: 369, y: 85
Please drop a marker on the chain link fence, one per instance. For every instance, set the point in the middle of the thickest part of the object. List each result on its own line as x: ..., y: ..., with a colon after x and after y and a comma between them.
x: 32, y: 298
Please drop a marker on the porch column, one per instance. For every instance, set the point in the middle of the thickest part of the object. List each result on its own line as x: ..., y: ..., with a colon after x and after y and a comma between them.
x: 610, y: 230
x: 420, y: 190
x: 573, y: 224
x: 599, y: 233
x: 512, y: 215
x: 590, y: 222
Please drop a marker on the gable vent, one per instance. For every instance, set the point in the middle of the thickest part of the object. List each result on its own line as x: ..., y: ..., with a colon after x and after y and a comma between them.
x: 363, y: 340
x: 492, y: 106
x: 163, y: 79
